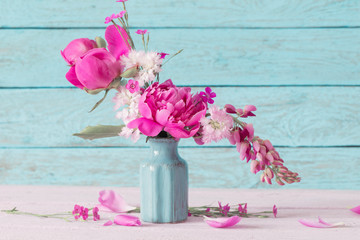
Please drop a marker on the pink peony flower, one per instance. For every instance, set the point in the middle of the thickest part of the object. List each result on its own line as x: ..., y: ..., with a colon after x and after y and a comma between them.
x: 217, y: 127
x: 96, y: 69
x: 169, y: 108
x: 76, y: 49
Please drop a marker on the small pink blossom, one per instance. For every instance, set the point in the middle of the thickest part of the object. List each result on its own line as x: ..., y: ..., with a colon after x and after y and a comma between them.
x: 244, y: 113
x: 114, y: 16
x: 121, y: 1
x: 189, y: 213
x: 274, y: 210
x: 77, y: 211
x: 163, y: 55
x: 141, y: 32
x: 222, y: 222
x: 127, y: 220
x: 207, y: 210
x: 320, y: 224
x: 96, y: 215
x: 242, y: 209
x: 224, y: 209
x: 208, y: 95
x: 85, y: 213
x: 132, y: 86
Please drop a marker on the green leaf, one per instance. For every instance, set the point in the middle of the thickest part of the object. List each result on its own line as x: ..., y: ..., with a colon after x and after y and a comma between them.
x: 131, y: 72
x: 99, y: 131
x: 100, y: 42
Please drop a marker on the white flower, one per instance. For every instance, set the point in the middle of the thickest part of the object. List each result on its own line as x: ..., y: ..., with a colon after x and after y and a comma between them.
x: 149, y: 64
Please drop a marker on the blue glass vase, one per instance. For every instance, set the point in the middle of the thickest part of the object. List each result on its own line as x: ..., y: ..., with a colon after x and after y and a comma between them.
x: 164, y: 183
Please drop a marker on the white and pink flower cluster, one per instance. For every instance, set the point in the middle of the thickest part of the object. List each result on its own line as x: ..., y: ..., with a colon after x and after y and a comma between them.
x: 156, y: 109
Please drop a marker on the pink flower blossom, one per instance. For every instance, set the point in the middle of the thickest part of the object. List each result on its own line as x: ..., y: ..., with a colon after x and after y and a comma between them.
x: 110, y: 201
x: 217, y: 127
x: 320, y: 224
x: 274, y: 210
x: 222, y: 222
x: 96, y: 215
x: 85, y: 213
x: 76, y: 49
x: 244, y: 113
x: 77, y: 211
x: 127, y: 220
x: 132, y: 86
x: 114, y: 16
x: 189, y: 213
x: 169, y: 108
x: 96, y: 69
x: 208, y: 95
x: 121, y: 1
x: 224, y: 209
x: 163, y: 55
x: 141, y: 32
x: 242, y: 209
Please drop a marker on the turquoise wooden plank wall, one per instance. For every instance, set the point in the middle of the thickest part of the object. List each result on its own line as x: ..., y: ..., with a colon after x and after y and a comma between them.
x: 297, y: 61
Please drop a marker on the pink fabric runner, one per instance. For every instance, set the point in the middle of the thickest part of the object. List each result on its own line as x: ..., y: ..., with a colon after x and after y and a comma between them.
x: 331, y: 205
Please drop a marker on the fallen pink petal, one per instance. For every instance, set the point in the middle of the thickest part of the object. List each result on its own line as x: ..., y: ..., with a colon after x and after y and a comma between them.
x: 108, y: 223
x: 356, y: 209
x: 127, y: 220
x: 320, y: 224
x: 112, y: 202
x: 222, y: 222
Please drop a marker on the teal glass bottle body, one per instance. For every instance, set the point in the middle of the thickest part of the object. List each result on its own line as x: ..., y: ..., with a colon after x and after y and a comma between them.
x: 164, y: 183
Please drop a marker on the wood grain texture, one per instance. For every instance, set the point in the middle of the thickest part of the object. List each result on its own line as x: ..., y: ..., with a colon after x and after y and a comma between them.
x: 331, y: 168
x: 31, y: 58
x: 289, y: 116
x: 200, y: 13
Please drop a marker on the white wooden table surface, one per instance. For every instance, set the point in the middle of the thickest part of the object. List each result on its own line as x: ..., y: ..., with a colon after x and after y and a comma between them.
x: 332, y: 205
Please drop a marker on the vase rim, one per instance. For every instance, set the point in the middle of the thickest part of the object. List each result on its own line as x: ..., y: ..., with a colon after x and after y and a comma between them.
x: 164, y: 139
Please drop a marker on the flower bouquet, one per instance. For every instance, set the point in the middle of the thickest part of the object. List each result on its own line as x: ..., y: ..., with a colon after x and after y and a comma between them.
x: 159, y: 109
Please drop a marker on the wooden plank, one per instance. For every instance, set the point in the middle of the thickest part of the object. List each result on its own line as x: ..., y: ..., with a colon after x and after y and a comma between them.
x: 289, y: 116
x: 143, y: 13
x: 211, y: 57
x: 329, y: 168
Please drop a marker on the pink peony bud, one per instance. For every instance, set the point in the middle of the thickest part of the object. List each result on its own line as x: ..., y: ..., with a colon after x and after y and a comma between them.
x: 96, y: 69
x: 76, y: 49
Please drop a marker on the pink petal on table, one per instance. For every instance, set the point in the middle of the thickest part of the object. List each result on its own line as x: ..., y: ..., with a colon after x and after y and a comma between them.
x: 320, y: 224
x: 127, y: 220
x: 110, y: 201
x: 356, y: 209
x: 222, y: 222
x: 108, y: 223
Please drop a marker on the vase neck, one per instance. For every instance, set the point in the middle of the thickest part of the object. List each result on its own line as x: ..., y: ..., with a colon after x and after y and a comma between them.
x: 164, y: 147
